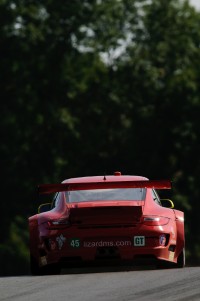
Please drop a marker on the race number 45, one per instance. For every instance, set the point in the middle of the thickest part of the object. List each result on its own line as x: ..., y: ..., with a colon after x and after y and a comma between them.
x: 139, y: 241
x: 75, y: 242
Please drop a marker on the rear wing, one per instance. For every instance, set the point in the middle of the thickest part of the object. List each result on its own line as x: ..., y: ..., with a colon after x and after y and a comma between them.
x: 53, y: 188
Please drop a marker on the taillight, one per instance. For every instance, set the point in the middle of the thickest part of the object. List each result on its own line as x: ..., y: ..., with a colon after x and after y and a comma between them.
x: 59, y: 223
x: 155, y: 220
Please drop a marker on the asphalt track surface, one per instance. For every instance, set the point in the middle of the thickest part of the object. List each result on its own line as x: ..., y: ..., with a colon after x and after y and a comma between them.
x: 105, y: 284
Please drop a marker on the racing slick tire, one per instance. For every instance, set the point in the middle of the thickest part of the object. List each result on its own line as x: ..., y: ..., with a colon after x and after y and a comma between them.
x: 169, y: 265
x: 181, y: 259
x: 51, y: 269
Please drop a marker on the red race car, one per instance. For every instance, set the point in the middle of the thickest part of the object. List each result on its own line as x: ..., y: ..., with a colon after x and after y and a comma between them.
x: 106, y: 220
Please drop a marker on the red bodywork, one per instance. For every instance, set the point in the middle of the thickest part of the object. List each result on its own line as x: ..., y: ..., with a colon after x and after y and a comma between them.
x: 108, y: 231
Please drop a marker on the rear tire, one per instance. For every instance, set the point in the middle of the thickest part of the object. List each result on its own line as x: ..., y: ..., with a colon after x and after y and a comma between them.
x: 36, y: 270
x: 169, y: 265
x: 34, y: 267
x: 162, y: 264
x: 181, y: 259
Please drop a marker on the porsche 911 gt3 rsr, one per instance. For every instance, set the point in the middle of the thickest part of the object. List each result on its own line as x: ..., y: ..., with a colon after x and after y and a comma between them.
x: 105, y: 220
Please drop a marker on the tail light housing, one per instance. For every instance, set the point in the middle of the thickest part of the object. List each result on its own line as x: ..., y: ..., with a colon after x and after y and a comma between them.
x: 58, y: 224
x: 153, y: 220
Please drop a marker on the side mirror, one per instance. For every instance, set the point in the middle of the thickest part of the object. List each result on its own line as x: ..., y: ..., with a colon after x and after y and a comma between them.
x: 44, y: 207
x: 167, y: 203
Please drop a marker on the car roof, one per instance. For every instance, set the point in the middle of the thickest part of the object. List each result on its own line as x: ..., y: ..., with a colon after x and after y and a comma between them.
x: 107, y: 178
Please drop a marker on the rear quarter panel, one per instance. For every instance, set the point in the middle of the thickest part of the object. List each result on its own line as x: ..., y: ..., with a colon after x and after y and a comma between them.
x: 179, y: 216
x: 33, y: 235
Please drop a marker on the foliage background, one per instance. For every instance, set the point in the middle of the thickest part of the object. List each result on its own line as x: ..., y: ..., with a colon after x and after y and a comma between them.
x: 93, y: 86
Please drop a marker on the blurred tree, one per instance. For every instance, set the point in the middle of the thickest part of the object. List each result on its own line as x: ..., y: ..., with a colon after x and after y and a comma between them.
x: 88, y: 87
x: 50, y: 59
x: 46, y: 69
x: 160, y: 77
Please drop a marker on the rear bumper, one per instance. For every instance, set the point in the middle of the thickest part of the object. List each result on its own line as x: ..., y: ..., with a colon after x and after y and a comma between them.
x: 109, y: 246
x: 110, y: 255
x: 144, y: 257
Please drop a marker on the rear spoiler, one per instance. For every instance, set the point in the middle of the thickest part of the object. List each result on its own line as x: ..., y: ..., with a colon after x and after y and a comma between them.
x: 53, y: 188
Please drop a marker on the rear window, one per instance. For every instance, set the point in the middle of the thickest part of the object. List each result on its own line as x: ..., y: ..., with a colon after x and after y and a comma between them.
x: 121, y: 194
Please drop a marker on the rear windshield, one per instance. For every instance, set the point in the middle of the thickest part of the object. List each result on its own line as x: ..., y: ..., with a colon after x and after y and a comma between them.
x: 121, y: 194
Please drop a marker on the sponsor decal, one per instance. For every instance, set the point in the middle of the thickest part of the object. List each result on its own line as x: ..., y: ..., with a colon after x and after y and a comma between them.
x: 162, y: 240
x: 107, y: 243
x: 139, y: 241
x: 60, y: 240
